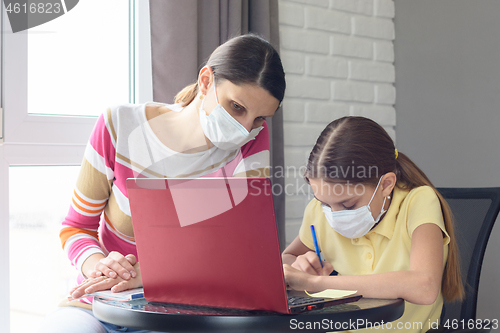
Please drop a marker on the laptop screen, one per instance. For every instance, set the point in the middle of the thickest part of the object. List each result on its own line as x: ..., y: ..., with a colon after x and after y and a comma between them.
x: 208, y: 241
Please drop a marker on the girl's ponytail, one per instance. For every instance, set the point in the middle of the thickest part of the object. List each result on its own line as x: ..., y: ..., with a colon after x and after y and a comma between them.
x: 410, y: 176
x: 187, y: 94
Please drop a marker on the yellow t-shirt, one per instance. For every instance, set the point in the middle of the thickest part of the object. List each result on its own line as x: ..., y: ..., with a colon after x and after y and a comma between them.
x: 385, y: 248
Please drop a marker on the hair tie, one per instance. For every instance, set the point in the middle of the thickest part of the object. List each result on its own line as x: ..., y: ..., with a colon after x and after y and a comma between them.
x: 396, y: 152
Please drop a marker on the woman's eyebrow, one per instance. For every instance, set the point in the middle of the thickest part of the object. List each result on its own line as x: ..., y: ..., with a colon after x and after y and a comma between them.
x: 242, y: 104
x: 340, y: 203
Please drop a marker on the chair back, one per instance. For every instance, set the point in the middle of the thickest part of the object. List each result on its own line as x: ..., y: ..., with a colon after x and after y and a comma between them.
x: 475, y: 211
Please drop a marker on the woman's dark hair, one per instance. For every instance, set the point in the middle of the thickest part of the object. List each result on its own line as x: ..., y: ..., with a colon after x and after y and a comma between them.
x: 246, y: 59
x: 358, y: 150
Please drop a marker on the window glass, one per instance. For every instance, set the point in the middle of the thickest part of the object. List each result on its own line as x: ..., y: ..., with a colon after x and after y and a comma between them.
x: 78, y: 63
x: 40, y: 273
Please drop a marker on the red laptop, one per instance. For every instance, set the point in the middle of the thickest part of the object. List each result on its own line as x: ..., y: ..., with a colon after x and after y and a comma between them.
x: 211, y: 242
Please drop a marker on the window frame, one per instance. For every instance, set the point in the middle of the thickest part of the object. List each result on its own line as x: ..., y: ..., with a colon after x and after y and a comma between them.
x: 32, y: 139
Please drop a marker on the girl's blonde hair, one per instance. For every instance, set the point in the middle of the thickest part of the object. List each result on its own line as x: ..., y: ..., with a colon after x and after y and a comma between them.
x: 361, y: 142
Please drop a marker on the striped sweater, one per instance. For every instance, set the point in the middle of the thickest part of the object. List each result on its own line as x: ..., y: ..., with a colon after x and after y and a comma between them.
x: 123, y: 145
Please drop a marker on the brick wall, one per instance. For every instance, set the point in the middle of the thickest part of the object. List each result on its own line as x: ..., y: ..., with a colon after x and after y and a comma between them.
x: 338, y: 57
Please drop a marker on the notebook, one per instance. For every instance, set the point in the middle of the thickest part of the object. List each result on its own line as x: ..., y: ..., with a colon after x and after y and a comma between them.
x: 212, y: 242
x: 127, y: 295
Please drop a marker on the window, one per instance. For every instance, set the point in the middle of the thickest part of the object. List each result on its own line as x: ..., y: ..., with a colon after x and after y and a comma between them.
x: 86, y: 58
x: 36, y: 256
x: 47, y: 121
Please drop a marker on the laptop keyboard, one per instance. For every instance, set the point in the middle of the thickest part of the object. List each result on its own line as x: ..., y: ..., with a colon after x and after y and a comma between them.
x: 299, y: 300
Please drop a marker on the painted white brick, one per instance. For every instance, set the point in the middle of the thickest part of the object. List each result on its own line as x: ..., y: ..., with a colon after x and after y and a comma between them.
x: 305, y: 41
x: 384, y: 51
x: 391, y: 131
x: 383, y: 115
x: 325, y: 113
x: 384, y: 8
x: 327, y: 67
x: 295, y: 206
x: 291, y: 14
x: 318, y: 3
x: 353, y: 91
x: 385, y: 94
x: 338, y: 57
x: 327, y: 20
x: 372, y: 71
x: 373, y: 27
x: 296, y: 157
x: 307, y: 88
x: 292, y: 172
x: 295, y: 184
x: 293, y: 110
x: 292, y: 229
x: 301, y: 135
x: 351, y: 47
x: 293, y: 62
x: 364, y: 7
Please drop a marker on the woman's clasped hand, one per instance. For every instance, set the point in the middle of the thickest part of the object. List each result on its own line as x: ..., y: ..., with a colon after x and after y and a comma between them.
x: 115, y: 264
x: 109, y: 280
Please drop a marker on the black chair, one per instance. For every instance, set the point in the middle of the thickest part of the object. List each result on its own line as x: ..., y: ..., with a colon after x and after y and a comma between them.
x: 475, y: 211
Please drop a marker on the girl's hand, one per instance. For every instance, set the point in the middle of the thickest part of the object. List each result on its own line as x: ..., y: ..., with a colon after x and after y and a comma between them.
x: 309, y: 263
x: 115, y: 264
x: 298, y: 280
x: 116, y: 284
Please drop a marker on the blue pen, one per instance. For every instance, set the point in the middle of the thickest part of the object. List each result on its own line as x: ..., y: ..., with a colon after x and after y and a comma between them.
x: 316, y: 247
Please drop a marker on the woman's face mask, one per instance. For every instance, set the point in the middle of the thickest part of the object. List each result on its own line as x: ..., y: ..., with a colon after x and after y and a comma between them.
x: 353, y: 223
x: 222, y: 129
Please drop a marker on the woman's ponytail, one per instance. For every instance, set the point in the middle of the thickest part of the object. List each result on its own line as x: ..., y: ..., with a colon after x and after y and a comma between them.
x: 187, y: 94
x: 410, y: 176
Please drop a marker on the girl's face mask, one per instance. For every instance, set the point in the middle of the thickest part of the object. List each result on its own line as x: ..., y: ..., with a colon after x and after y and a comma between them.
x: 223, y: 130
x: 353, y: 223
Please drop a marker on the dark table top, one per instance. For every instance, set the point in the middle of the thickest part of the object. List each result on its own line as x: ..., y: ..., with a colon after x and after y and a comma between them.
x: 182, y: 318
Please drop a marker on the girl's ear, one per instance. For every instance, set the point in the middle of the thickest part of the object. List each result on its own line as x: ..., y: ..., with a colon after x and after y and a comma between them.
x: 388, y: 183
x: 205, y: 78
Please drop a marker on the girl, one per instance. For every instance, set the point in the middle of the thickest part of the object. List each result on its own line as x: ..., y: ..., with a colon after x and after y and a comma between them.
x: 216, y: 128
x: 380, y: 224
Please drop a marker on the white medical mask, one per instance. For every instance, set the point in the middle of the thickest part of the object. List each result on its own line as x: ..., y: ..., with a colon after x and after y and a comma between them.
x: 223, y: 130
x: 353, y: 223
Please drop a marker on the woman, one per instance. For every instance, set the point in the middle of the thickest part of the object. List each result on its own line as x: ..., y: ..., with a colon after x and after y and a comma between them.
x: 216, y: 129
x: 380, y: 223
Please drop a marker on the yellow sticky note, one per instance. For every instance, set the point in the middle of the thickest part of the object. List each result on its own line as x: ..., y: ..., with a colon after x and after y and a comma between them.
x: 333, y: 293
